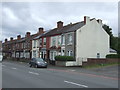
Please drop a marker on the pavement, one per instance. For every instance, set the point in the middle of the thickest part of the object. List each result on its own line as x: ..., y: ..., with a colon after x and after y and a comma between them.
x: 20, y: 75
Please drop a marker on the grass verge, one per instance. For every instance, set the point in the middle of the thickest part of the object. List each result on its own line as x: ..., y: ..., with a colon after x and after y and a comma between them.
x: 100, y: 65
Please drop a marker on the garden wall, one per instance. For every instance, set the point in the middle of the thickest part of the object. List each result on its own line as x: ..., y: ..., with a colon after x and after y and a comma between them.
x: 91, y: 61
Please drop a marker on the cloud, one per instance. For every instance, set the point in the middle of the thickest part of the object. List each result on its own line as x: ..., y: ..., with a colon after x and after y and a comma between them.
x: 20, y: 17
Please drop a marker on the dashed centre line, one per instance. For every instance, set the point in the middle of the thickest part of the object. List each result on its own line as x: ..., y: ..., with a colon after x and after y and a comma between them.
x: 76, y: 84
x: 34, y: 73
x: 14, y: 68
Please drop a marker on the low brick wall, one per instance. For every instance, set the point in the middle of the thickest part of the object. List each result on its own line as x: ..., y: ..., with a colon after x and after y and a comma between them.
x: 91, y: 61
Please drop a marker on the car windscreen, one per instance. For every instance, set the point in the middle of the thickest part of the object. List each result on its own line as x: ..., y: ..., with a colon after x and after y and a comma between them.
x: 39, y: 59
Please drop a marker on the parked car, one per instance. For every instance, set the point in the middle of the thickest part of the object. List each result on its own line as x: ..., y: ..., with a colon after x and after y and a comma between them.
x: 1, y: 57
x: 38, y: 62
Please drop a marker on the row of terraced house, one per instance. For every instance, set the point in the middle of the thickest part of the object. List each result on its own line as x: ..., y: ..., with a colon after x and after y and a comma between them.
x: 82, y: 40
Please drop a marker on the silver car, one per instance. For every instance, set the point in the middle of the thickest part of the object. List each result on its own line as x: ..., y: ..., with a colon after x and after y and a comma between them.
x: 38, y: 62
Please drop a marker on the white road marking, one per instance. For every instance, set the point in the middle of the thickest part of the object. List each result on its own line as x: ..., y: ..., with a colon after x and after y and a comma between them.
x: 34, y: 73
x: 21, y: 62
x: 76, y: 84
x: 71, y: 70
x: 3, y: 66
x: 14, y: 68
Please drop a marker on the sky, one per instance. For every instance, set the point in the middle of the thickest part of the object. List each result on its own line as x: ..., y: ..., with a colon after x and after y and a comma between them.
x: 20, y: 17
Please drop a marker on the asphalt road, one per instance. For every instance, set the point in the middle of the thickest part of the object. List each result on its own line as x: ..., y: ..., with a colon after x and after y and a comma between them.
x: 20, y: 75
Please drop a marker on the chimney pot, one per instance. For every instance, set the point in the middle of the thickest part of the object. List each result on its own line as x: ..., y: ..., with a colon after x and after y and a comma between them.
x: 27, y: 34
x: 59, y: 24
x: 11, y: 38
x: 19, y: 37
x: 6, y: 40
x: 41, y: 30
x: 100, y: 21
x: 86, y: 19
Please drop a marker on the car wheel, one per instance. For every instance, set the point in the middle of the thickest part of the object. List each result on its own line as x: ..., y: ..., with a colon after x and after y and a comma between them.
x: 36, y: 66
x: 30, y: 65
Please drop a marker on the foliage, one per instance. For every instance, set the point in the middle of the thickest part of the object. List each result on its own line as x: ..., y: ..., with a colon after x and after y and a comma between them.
x: 114, y: 41
x: 113, y: 56
x: 64, y: 58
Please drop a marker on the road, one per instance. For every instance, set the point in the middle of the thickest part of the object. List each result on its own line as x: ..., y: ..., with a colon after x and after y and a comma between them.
x: 20, y: 75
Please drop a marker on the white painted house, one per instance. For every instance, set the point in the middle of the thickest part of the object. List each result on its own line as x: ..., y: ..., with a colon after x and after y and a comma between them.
x: 92, y: 41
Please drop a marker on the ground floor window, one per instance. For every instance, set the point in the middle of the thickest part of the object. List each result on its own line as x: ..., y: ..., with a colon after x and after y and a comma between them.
x: 70, y: 53
x: 21, y: 55
x: 34, y: 54
x: 17, y: 54
x: 13, y: 54
x: 27, y: 55
x: 52, y: 55
x: 62, y: 52
x: 43, y: 54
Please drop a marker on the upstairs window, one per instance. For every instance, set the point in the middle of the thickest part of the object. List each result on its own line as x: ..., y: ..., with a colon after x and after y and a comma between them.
x: 34, y: 45
x: 53, y: 41
x: 69, y: 39
x: 63, y: 40
x: 59, y: 40
x: 40, y: 42
x: 44, y: 41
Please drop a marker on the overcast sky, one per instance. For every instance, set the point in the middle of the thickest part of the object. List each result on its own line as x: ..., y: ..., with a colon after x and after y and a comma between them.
x: 20, y: 17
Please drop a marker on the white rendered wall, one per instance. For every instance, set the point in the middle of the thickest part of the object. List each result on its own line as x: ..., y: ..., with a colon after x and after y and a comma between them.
x: 90, y: 40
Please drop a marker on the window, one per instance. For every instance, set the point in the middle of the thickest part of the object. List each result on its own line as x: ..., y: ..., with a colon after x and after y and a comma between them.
x: 44, y: 41
x: 70, y: 53
x: 63, y: 40
x: 53, y: 41
x: 34, y: 54
x: 22, y: 45
x: 37, y: 43
x: 69, y: 38
x: 40, y: 42
x: 63, y: 52
x: 34, y: 45
x: 98, y: 55
x: 52, y: 55
x: 59, y: 40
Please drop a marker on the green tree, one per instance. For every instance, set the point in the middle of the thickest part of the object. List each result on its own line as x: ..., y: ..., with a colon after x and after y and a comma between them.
x: 109, y: 31
x: 114, y: 41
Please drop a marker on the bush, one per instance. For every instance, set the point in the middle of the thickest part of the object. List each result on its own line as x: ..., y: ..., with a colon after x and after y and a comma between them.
x: 113, y: 56
x: 64, y: 58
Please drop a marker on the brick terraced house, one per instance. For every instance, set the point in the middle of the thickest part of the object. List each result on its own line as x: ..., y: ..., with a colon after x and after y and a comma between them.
x: 20, y: 47
x: 82, y: 40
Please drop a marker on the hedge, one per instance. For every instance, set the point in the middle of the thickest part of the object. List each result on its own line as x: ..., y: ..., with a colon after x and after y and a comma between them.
x: 113, y: 56
x: 64, y: 58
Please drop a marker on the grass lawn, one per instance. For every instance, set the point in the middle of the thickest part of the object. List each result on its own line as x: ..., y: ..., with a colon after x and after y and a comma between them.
x: 100, y: 65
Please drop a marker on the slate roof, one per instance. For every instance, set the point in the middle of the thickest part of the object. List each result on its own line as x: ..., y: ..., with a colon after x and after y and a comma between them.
x: 64, y: 29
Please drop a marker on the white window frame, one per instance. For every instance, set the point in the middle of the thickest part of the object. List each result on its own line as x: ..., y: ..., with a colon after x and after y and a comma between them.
x: 62, y: 39
x: 44, y: 41
x: 69, y: 38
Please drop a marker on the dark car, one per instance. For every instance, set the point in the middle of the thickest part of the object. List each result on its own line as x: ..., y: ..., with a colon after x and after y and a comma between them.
x: 38, y: 62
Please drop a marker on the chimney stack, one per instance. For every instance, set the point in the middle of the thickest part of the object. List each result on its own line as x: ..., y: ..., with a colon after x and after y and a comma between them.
x: 18, y: 37
x: 6, y: 40
x: 27, y: 34
x: 100, y: 21
x: 11, y: 38
x: 59, y: 24
x: 86, y: 19
x: 40, y: 30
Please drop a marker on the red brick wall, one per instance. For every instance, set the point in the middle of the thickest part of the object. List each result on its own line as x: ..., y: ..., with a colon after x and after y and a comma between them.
x: 91, y: 61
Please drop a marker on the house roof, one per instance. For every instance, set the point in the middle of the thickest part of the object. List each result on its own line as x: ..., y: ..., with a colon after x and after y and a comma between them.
x: 64, y: 29
x: 37, y: 37
x: 21, y: 40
